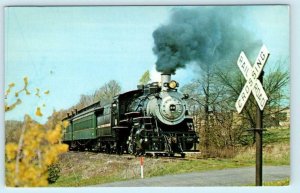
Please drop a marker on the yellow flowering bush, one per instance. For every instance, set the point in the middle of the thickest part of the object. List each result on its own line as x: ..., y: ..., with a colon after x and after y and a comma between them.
x: 27, y: 161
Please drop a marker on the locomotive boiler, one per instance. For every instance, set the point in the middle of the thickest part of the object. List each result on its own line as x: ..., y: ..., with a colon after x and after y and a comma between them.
x: 151, y: 119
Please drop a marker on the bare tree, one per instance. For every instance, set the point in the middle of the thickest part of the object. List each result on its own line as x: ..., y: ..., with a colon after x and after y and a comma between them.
x: 205, y: 94
x: 55, y: 118
x: 106, y: 93
x: 276, y: 87
x: 212, y: 101
x: 12, y: 131
x: 84, y: 100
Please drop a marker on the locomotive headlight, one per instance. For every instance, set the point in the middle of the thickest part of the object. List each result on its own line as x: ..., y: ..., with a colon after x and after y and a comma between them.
x: 172, y: 84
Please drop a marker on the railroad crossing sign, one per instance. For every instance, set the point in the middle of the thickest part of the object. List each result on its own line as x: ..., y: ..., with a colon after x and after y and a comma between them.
x: 251, y: 73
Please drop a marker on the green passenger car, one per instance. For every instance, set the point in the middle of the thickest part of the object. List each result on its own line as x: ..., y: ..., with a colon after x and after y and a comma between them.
x: 84, y: 127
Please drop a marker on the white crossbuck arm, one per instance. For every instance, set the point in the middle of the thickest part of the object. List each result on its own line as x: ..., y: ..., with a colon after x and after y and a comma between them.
x: 253, y: 84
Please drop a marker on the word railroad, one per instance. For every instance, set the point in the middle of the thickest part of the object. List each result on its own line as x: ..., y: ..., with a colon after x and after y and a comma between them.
x: 253, y: 84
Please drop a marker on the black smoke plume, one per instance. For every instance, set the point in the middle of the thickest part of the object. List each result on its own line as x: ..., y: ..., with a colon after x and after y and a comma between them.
x: 202, y: 35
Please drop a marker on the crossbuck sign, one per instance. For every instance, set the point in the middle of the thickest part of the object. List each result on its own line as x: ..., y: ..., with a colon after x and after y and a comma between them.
x: 251, y: 73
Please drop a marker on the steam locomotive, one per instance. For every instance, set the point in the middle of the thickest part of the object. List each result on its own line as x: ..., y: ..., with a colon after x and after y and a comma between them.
x: 152, y: 119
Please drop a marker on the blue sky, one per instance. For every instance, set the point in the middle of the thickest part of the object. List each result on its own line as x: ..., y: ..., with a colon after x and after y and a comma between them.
x: 75, y: 50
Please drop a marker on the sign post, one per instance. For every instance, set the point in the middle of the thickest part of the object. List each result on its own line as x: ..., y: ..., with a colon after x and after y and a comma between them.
x: 254, y: 77
x: 142, y: 166
x: 258, y: 140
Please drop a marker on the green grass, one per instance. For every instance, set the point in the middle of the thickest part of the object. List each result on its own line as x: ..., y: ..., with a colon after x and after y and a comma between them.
x: 73, y: 181
x: 83, y: 169
x: 173, y: 167
x: 180, y: 166
x: 284, y: 182
x: 275, y: 154
x: 276, y: 135
x: 276, y: 148
x: 165, y: 168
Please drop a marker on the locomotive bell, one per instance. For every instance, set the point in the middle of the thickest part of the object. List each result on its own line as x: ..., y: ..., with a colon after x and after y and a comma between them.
x: 167, y: 83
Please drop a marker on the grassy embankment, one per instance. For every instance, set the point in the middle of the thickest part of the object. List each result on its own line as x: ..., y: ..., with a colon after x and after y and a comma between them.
x: 284, y: 182
x: 86, y: 168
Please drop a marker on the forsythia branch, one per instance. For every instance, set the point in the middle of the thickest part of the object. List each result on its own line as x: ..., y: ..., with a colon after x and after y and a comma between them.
x: 27, y: 162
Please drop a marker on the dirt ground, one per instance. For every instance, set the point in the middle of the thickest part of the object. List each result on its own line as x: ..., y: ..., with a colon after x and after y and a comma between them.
x: 87, y: 165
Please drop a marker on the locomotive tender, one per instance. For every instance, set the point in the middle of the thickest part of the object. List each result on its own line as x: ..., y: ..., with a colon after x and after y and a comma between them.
x: 152, y: 119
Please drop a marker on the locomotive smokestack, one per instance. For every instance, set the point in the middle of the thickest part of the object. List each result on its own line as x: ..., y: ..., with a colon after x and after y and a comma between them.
x: 165, y: 79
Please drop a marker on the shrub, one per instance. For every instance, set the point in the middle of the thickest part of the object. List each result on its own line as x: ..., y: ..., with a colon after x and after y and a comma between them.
x: 27, y: 162
x: 30, y: 159
x: 53, y: 173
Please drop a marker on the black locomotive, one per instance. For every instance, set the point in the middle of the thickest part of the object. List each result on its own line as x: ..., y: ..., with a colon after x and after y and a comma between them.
x: 152, y: 119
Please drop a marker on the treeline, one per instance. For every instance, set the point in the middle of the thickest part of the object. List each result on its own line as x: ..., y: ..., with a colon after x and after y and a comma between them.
x: 212, y: 105
x: 104, y: 94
